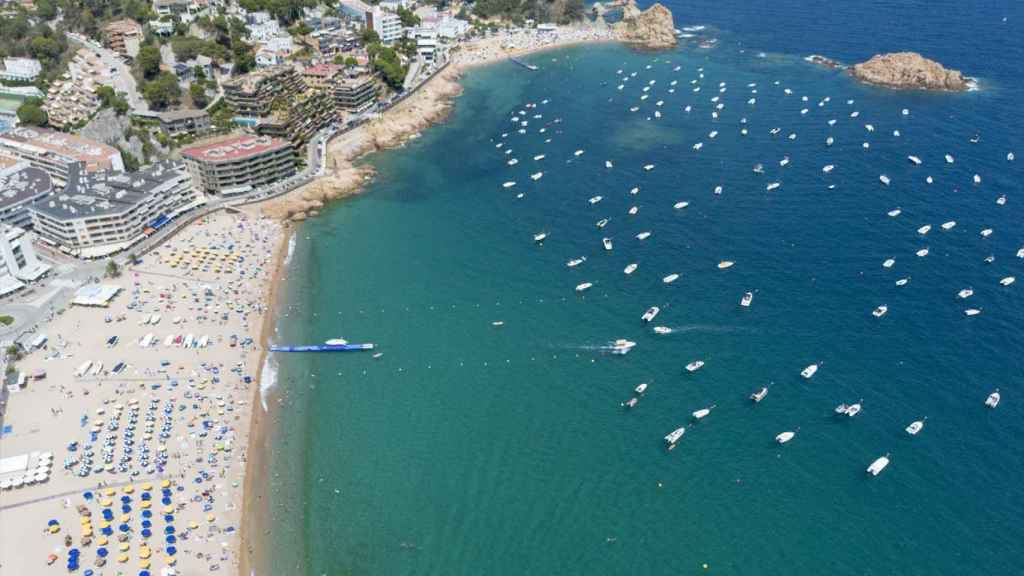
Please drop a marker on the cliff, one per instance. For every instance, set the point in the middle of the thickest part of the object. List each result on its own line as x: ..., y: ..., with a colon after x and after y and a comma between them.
x: 908, y: 70
x: 652, y: 28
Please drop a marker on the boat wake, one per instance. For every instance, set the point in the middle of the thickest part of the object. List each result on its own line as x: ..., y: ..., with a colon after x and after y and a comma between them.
x: 709, y: 328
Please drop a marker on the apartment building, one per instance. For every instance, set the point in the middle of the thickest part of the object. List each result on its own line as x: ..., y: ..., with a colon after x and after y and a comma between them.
x: 239, y: 164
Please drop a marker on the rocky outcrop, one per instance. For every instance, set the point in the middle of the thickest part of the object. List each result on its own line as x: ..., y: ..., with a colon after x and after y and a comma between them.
x: 109, y: 128
x: 307, y: 201
x: 652, y: 28
x: 908, y: 71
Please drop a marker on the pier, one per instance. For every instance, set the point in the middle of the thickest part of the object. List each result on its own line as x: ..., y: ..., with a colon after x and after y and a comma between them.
x: 529, y: 67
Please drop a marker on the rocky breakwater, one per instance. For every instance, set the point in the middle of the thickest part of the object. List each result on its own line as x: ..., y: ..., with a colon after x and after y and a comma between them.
x: 909, y: 71
x: 652, y: 28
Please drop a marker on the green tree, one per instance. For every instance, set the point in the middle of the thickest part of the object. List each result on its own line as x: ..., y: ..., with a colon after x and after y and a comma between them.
x: 148, y: 61
x: 31, y: 112
x: 45, y: 48
x: 198, y: 95
x: 408, y: 17
x: 109, y: 99
x: 162, y: 91
x: 113, y: 270
x: 368, y: 37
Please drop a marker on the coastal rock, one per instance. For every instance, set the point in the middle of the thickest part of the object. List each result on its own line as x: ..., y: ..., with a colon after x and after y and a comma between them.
x: 823, y: 61
x: 652, y: 28
x: 908, y: 70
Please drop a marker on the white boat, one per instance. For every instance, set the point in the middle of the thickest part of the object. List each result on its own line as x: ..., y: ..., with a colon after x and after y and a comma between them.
x: 725, y: 264
x: 993, y: 399
x: 643, y: 236
x: 508, y: 184
x: 853, y: 410
x: 894, y: 213
x: 622, y: 346
x: 809, y: 371
x: 878, y: 465
x: 903, y: 281
x: 648, y: 167
x: 880, y: 311
x: 650, y: 314
x: 747, y: 299
x: 829, y: 141
x: 841, y: 409
x: 972, y: 311
x: 965, y: 293
x: 1010, y: 157
x: 595, y: 199
x: 670, y: 278
x: 513, y: 162
x: 662, y: 330
x: 986, y: 233
x: 922, y: 252
x: 698, y: 145
x: 498, y: 323
x: 915, y: 426
x: 1001, y: 200
x: 602, y: 223
x: 756, y: 397
x: 540, y: 236
x: 632, y: 402
x: 640, y: 388
x: 680, y: 205
x: 694, y: 366
x: 672, y: 437
x: 584, y: 286
x: 538, y: 157
x: 634, y: 190
x: 888, y: 263
x: 758, y: 168
x: 785, y: 437
x: 718, y: 190
x: 949, y: 159
x: 924, y: 229
x: 700, y: 414
x: 884, y: 179
x: 576, y: 262
x: 578, y: 153
x: 914, y: 160
x: 536, y: 175
x: 608, y: 164
x: 607, y: 242
x: 1020, y: 253
x: 784, y: 161
x: 1007, y: 281
x: 990, y: 259
x: 772, y: 186
x: 828, y: 168
x: 629, y: 269
x: 977, y: 179
x: 336, y: 342
x: 949, y: 225
x: 929, y: 179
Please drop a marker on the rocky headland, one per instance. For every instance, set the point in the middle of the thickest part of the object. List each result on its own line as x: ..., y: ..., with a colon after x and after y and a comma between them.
x: 909, y: 71
x: 653, y: 28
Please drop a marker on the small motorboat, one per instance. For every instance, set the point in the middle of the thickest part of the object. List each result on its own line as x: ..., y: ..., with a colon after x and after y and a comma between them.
x: 640, y: 388
x: 694, y: 366
x: 622, y: 346
x: 680, y: 205
x: 595, y: 199
x: 880, y: 311
x: 829, y: 141
x: 922, y: 252
x: 1007, y: 281
x: 914, y: 160
x: 608, y: 164
x: 756, y: 397
x: 633, y: 210
x: 648, y: 167
x: 949, y: 159
x: 965, y: 293
x: 672, y: 437
x: 977, y: 179
x: 643, y: 236
x: 703, y: 412
x: 629, y: 269
x: 758, y: 168
x: 895, y: 212
x: 1001, y: 200
x: 584, y: 286
x: 986, y: 233
x: 972, y: 311
x: 853, y: 409
x: 772, y: 186
x: 602, y: 223
x: 725, y: 264
x: 662, y: 330
x: 670, y: 278
x: 828, y: 168
x: 878, y: 465
x: 993, y: 399
x: 540, y: 237
x: 949, y: 225
x: 785, y: 437
x: 842, y: 408
x: 747, y: 299
x: 884, y: 179
x: 607, y: 242
x: 924, y: 229
x: 916, y: 426
x: 809, y: 371
x: 576, y: 262
x: 903, y: 281
x: 650, y: 313
x: 990, y: 259
x: 336, y: 342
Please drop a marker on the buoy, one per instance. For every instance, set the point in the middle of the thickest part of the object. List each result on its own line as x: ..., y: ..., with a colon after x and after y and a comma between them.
x: 705, y: 565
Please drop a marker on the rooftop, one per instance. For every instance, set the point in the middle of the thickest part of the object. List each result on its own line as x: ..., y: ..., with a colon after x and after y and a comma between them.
x: 173, y: 115
x: 249, y: 82
x: 323, y: 70
x: 125, y: 26
x: 234, y: 148
x: 102, y: 193
x: 97, y: 156
x: 22, y: 182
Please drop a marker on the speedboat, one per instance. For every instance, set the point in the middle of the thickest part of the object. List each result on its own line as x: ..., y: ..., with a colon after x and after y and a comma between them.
x: 633, y: 210
x: 993, y: 399
x: 914, y: 160
x: 640, y: 388
x: 1020, y: 253
x: 672, y: 437
x: 607, y: 243
x: 747, y: 299
x: 629, y: 269
x: 596, y: 199
x: 1001, y: 200
x: 924, y: 229
x: 759, y: 395
x: 1007, y: 281
x: 894, y: 213
x: 949, y: 159
x: 622, y: 346
x: 602, y: 223
x: 785, y: 437
x: 1010, y: 157
x: 929, y: 179
x: 540, y: 237
x: 888, y: 263
x: 878, y: 465
x: 650, y: 313
x: 949, y: 225
x: 700, y: 414
x: 670, y: 278
x: 694, y: 366
x: 634, y: 190
x: 725, y: 264
x: 584, y: 286
x: 718, y: 190
x: 809, y: 371
x: 972, y: 311
x: 576, y: 262
x: 536, y: 175
x: 662, y: 330
x: 965, y: 293
x: 903, y: 281
x: 828, y: 168
x: 853, y: 410
x: 829, y: 141
x: 880, y: 311
x: 608, y: 164
x: 977, y: 179
x: 990, y: 259
x: 508, y: 184
x: 680, y: 205
x: 922, y: 252
x: 915, y: 426
x: 643, y: 236
x: 784, y: 161
x: 513, y: 162
x: 986, y: 233
x: 336, y: 342
x: 648, y: 167
x: 538, y: 157
x: 578, y: 153
x: 772, y: 186
x: 884, y: 179
x: 758, y: 168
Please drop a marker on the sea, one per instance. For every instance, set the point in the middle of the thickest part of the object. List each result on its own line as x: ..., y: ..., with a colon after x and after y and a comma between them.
x: 489, y: 438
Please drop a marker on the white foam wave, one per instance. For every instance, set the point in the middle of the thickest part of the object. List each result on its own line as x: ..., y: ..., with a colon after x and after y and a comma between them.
x: 291, y: 251
x: 268, y: 379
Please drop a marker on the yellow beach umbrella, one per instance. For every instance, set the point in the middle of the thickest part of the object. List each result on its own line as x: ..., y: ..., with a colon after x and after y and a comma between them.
x: 128, y: 489
x: 85, y: 520
x: 104, y: 524
x: 54, y: 529
x: 106, y: 502
x: 145, y: 504
x: 165, y: 484
x: 86, y: 532
x: 144, y: 553
x: 168, y: 509
x: 102, y: 541
x: 125, y: 517
x: 170, y: 560
x: 122, y: 558
x: 193, y: 525
x: 109, y: 492
x: 143, y: 564
x: 124, y: 546
x: 210, y: 517
x: 147, y: 486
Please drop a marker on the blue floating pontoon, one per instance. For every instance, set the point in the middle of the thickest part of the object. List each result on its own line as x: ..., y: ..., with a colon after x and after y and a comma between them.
x: 322, y: 348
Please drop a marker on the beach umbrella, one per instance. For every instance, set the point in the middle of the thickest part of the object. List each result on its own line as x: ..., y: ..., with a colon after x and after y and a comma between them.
x: 168, y: 509
x: 104, y: 524
x: 109, y: 492
x: 52, y: 522
x: 165, y: 484
x: 144, y: 563
x: 124, y: 546
x: 147, y: 514
x: 169, y: 530
x: 170, y: 561
x: 122, y: 558
x: 193, y: 525
x: 125, y: 517
x: 102, y: 552
x: 171, y: 539
x: 147, y: 486
x: 146, y: 524
x: 101, y: 541
x: 126, y: 499
x: 126, y: 509
x: 106, y: 502
x: 86, y: 531
x: 169, y: 518
x: 124, y: 528
x: 87, y: 495
x: 128, y: 489
x: 146, y: 533
x: 144, y: 553
x: 165, y: 501
x: 54, y: 529
x: 171, y: 550
x: 146, y: 496
x: 145, y: 504
x: 210, y: 517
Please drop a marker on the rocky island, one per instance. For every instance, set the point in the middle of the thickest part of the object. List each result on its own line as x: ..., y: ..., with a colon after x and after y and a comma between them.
x: 652, y: 28
x: 909, y: 71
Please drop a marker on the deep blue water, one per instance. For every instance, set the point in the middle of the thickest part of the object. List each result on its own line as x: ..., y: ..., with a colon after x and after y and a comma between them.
x: 474, y: 449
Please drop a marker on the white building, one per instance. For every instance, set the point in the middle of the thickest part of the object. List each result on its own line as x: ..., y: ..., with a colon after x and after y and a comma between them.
x: 387, y: 25
x: 21, y: 69
x: 426, y: 43
x: 264, y: 31
x: 452, y: 28
x: 18, y: 261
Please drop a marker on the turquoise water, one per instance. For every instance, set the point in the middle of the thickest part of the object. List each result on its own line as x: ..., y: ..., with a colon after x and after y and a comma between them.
x: 475, y: 449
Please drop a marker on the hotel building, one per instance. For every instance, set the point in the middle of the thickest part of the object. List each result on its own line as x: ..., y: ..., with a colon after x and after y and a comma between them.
x: 239, y: 164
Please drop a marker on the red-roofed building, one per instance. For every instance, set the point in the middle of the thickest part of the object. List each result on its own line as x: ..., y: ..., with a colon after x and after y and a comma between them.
x: 240, y: 164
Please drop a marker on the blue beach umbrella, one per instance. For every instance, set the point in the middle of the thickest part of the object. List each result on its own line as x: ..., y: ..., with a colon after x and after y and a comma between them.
x: 52, y: 522
x: 102, y: 552
x: 87, y: 495
x: 171, y: 539
x: 169, y: 518
x: 146, y: 523
x: 171, y: 550
x: 126, y: 509
x: 146, y: 533
x: 106, y: 531
x: 169, y: 530
x: 147, y: 496
x: 123, y: 528
x: 147, y: 514
x: 125, y: 499
x: 73, y: 553
x: 144, y: 573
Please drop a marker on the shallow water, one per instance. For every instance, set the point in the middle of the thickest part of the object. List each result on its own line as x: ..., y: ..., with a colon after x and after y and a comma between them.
x: 474, y: 449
